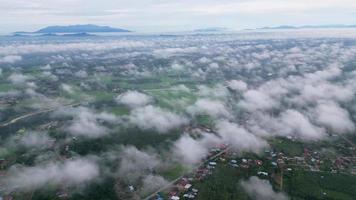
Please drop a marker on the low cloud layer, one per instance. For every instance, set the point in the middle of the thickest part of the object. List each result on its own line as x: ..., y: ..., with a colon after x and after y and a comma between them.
x: 18, y: 79
x: 152, y: 182
x: 10, y: 59
x: 134, y: 163
x: 237, y: 85
x: 151, y: 117
x: 239, y: 138
x: 71, y: 172
x: 213, y: 108
x: 190, y: 150
x: 259, y: 189
x: 35, y: 139
x: 134, y: 99
x: 87, y: 123
x: 332, y: 116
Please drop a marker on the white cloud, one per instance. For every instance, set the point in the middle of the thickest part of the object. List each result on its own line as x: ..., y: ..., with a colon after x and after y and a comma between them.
x: 189, y: 150
x: 177, y: 67
x: 35, y: 139
x: 81, y: 74
x: 22, y: 49
x: 292, y: 122
x: 134, y: 163
x: 150, y: 117
x: 333, y: 116
x: 134, y: 99
x: 71, y: 172
x: 257, y: 100
x: 10, y: 59
x: 237, y: 85
x: 259, y: 189
x: 181, y: 88
x: 87, y: 123
x: 18, y: 79
x: 67, y: 88
x: 218, y: 91
x: 213, y: 108
x: 239, y: 138
x: 152, y: 182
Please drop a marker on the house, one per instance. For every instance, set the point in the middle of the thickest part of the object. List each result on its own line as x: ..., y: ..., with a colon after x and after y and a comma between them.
x: 258, y: 162
x: 131, y: 188
x: 175, y: 198
x: 187, y: 186
x: 262, y: 173
x: 189, y: 196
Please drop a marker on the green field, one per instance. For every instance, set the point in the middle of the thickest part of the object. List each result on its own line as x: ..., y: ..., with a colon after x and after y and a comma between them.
x: 318, y: 185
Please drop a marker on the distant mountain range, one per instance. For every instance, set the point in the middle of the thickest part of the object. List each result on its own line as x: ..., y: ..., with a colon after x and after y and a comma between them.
x: 211, y: 29
x: 87, y: 28
x: 310, y: 26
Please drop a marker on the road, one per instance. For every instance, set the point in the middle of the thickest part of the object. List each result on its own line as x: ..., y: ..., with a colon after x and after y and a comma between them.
x: 12, y: 121
x: 170, y: 184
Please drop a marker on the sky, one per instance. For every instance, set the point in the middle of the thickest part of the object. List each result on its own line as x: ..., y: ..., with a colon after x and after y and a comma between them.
x: 177, y: 15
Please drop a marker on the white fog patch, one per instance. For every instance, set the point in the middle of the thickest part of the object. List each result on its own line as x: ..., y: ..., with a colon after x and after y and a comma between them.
x: 239, y: 138
x: 180, y: 88
x: 259, y: 189
x: 213, y: 108
x: 257, y: 100
x: 217, y: 92
x: 81, y: 74
x: 237, y: 85
x: 71, y: 173
x: 177, y: 67
x: 36, y: 139
x: 10, y: 59
x: 292, y: 122
x: 326, y: 91
x: 88, y: 123
x: 168, y: 52
x: 190, y: 150
x: 150, y: 117
x: 22, y: 49
x: 134, y: 99
x: 331, y: 115
x: 67, y: 88
x: 49, y: 75
x: 134, y: 163
x: 152, y: 182
x: 18, y: 79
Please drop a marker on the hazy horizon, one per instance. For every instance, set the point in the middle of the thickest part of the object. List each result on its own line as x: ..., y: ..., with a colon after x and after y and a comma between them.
x: 165, y: 16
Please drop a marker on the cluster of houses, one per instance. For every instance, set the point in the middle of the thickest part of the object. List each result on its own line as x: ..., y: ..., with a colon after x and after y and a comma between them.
x: 312, y: 161
x: 183, y: 188
x: 344, y: 163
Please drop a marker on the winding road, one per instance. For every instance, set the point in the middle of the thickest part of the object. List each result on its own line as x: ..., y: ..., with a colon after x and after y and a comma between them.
x: 12, y: 121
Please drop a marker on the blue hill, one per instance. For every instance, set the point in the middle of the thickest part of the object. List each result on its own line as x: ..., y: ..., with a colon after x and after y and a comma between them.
x: 87, y: 28
x: 311, y: 26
